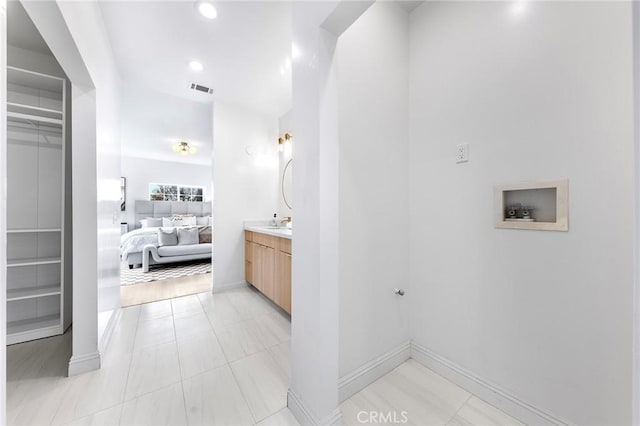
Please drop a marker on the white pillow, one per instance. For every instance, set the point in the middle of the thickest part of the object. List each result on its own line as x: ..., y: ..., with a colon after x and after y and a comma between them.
x: 179, y: 221
x: 203, y: 221
x: 185, y: 220
x: 151, y: 222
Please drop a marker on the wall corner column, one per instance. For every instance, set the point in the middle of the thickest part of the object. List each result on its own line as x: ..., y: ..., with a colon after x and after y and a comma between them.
x: 313, y: 394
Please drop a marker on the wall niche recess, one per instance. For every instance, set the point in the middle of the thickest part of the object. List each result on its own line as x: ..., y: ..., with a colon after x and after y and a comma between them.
x: 538, y: 206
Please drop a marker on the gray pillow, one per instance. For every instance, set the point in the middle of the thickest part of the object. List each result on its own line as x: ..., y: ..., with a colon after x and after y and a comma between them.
x: 187, y: 236
x: 205, y: 234
x: 167, y: 237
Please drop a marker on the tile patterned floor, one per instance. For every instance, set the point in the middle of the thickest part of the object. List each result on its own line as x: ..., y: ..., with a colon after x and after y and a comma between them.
x: 210, y: 360
x: 414, y: 395
x: 166, y: 364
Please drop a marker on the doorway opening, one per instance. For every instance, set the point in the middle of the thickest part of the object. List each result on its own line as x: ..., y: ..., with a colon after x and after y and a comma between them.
x: 166, y: 196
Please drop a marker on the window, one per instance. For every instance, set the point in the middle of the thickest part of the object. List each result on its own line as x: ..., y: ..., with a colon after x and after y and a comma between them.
x: 191, y: 193
x: 164, y: 192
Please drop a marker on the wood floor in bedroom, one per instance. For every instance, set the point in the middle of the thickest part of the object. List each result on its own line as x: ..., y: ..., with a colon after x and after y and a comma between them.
x: 137, y: 294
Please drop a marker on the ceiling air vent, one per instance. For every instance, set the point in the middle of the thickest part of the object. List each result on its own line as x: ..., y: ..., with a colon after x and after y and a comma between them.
x: 200, y: 88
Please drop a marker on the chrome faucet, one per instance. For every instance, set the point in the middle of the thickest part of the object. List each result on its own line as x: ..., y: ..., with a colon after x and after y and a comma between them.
x: 285, y: 220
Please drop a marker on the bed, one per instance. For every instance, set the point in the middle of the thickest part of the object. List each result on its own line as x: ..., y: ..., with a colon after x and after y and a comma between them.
x: 140, y: 248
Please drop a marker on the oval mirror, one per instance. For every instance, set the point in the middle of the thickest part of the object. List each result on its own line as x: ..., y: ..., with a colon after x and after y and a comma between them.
x: 287, y: 184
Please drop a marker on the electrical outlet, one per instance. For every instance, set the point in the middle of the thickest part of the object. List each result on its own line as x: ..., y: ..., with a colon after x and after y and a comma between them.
x: 462, y: 153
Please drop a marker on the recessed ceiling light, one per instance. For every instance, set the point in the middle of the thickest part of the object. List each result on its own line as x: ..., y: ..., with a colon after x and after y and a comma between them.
x: 519, y: 8
x: 207, y: 9
x: 195, y: 66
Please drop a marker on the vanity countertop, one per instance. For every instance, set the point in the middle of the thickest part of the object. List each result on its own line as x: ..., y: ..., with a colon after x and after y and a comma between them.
x: 281, y: 232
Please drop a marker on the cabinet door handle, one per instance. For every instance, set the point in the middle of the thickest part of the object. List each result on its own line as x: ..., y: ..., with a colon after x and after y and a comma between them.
x: 399, y: 291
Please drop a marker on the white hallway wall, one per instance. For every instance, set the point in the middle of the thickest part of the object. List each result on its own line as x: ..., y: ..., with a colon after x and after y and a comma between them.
x: 75, y: 33
x: 246, y: 185
x: 372, y: 63
x: 140, y: 172
x: 543, y: 94
x: 87, y: 27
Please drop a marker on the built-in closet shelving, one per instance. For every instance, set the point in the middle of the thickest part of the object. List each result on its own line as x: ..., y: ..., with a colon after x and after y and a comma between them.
x: 35, y: 205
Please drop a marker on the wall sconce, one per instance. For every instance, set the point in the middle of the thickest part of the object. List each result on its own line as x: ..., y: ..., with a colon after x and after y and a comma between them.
x: 284, y: 141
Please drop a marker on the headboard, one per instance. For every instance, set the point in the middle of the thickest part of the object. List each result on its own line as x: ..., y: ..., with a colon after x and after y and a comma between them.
x: 145, y: 209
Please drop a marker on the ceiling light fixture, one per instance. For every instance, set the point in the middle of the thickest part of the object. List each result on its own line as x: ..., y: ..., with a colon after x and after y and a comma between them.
x: 207, y: 9
x: 196, y: 66
x: 184, y: 148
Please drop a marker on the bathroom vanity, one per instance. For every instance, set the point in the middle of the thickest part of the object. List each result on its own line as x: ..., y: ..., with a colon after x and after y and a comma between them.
x: 268, y: 263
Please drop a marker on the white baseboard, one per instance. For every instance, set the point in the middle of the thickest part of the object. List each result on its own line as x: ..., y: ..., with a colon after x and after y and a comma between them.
x: 217, y: 288
x: 84, y: 363
x: 305, y: 417
x: 482, y: 388
x: 108, y: 331
x: 363, y: 376
x: 360, y: 378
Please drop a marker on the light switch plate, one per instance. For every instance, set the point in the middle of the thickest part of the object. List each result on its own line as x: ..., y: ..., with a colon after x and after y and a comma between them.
x: 462, y: 153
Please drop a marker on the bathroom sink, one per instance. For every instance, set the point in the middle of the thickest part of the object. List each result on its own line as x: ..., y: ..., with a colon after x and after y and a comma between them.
x: 279, y: 228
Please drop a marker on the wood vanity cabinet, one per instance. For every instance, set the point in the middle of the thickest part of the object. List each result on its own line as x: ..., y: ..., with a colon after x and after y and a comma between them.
x: 268, y: 266
x: 283, y: 274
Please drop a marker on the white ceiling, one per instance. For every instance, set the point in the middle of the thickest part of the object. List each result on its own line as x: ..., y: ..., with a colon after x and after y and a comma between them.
x: 152, y: 122
x: 242, y: 50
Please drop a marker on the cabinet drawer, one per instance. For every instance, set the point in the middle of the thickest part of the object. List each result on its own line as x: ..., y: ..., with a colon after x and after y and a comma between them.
x: 248, y: 236
x: 265, y: 240
x: 285, y: 245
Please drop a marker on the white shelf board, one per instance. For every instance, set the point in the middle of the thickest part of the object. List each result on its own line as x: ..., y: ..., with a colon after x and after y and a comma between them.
x: 31, y: 262
x: 33, y: 292
x: 42, y: 327
x: 57, y: 122
x: 43, y: 128
x: 34, y: 110
x: 32, y: 230
x: 34, y: 80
